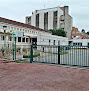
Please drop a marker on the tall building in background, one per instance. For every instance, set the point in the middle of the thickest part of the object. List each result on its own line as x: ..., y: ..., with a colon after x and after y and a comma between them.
x: 52, y: 18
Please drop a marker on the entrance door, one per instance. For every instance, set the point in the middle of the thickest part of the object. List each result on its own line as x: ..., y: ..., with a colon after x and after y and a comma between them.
x: 88, y: 45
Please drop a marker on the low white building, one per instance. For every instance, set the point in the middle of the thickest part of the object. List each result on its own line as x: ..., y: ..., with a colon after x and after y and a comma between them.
x: 79, y: 42
x: 49, y: 42
x: 49, y: 39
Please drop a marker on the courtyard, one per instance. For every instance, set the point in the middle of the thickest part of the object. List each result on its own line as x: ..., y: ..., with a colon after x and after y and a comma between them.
x: 38, y: 77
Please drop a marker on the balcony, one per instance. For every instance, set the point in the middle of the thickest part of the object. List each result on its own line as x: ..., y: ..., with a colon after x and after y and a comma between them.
x: 62, y: 25
x: 62, y: 18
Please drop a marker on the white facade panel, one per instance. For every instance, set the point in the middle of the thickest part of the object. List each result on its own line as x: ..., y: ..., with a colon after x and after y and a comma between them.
x: 50, y: 20
x: 41, y: 20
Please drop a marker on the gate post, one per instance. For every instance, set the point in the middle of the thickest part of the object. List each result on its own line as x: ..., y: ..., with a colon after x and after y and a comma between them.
x: 31, y: 54
x: 58, y: 54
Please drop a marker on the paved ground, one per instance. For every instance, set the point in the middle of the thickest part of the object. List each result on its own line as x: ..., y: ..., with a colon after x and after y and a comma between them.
x: 37, y: 77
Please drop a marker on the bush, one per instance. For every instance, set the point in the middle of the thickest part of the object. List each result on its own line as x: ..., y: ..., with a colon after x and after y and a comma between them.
x: 36, y: 54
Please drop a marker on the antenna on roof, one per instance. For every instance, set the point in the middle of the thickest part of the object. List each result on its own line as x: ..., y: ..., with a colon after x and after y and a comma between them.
x: 44, y: 5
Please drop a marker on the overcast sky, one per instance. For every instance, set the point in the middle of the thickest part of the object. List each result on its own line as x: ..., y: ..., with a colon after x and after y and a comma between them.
x: 19, y: 9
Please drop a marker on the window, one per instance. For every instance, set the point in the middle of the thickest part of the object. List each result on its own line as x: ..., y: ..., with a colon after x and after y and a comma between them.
x: 23, y: 39
x: 19, y: 39
x: 2, y: 38
x: 49, y: 42
x: 79, y: 44
x: 14, y: 28
x: 9, y: 38
x: 54, y: 42
x: 11, y: 28
x: 26, y: 39
x: 58, y: 42
x: 1, y: 26
x: 8, y: 28
x: 74, y: 44
x: 18, y: 29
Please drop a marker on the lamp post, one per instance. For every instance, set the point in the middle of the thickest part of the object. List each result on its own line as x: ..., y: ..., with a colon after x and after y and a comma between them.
x: 4, y: 28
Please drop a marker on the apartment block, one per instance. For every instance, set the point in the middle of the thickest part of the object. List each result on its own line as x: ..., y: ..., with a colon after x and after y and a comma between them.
x: 52, y: 18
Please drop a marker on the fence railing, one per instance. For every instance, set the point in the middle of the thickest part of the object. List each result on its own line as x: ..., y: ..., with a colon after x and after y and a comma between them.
x: 64, y: 55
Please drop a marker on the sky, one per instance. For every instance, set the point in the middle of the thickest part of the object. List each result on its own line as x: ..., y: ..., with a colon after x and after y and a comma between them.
x: 18, y: 9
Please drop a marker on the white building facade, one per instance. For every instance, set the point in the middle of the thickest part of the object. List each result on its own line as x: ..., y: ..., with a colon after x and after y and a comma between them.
x: 52, y: 18
x: 30, y: 33
x: 50, y: 42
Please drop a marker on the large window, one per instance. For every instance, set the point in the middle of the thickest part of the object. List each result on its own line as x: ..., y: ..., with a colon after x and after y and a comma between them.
x: 23, y: 39
x: 26, y: 39
x: 19, y: 39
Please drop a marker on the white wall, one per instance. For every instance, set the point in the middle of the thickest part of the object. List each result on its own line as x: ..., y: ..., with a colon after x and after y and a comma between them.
x: 50, y: 20
x: 43, y: 39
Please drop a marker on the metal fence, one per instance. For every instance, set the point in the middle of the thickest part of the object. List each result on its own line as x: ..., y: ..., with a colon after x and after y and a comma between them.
x: 64, y: 55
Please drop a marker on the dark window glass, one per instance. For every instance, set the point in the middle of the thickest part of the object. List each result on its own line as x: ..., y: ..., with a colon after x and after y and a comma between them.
x: 54, y: 42
x: 23, y: 40
x: 19, y: 39
x: 26, y: 39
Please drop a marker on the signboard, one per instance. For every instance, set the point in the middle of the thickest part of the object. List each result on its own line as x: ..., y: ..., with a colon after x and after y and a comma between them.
x: 17, y: 34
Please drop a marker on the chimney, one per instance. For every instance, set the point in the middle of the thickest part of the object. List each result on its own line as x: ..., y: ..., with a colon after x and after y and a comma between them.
x: 66, y: 10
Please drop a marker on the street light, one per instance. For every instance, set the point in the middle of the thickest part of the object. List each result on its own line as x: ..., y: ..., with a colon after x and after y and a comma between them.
x: 4, y: 28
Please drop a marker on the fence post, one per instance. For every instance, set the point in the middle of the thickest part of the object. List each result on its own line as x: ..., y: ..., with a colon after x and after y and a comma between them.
x: 58, y: 54
x: 31, y: 54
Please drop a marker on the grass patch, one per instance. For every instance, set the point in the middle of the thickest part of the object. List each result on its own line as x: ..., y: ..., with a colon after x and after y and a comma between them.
x: 63, y: 52
x: 20, y: 62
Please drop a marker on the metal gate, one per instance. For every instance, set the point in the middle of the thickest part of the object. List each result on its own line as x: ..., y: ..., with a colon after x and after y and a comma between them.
x: 63, y: 55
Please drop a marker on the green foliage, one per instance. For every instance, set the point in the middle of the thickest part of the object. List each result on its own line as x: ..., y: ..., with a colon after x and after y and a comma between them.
x: 58, y: 32
x: 20, y: 62
x: 62, y: 52
x: 87, y: 33
x: 36, y: 54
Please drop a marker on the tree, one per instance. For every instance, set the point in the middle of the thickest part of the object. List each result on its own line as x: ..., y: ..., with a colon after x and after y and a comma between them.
x: 83, y: 31
x: 58, y: 32
x: 87, y: 33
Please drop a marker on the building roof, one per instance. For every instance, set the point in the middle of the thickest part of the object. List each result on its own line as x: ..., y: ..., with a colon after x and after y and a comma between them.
x: 77, y: 34
x: 62, y: 8
x: 19, y: 24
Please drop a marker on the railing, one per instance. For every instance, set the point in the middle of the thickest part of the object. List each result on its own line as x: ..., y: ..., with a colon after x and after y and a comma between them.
x: 64, y: 55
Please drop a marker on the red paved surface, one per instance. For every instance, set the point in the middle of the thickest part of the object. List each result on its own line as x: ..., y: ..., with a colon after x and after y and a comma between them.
x: 36, y: 77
